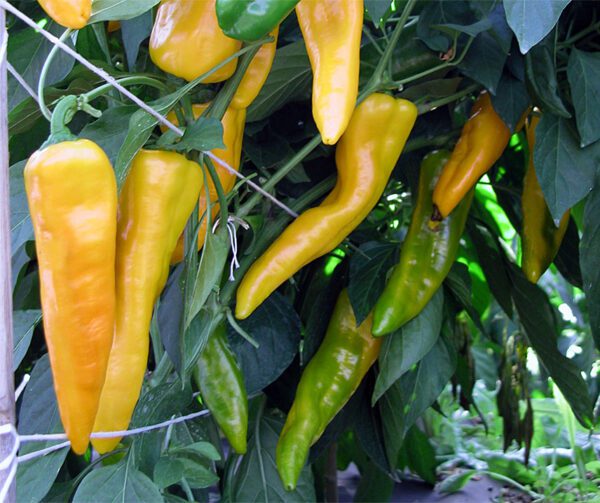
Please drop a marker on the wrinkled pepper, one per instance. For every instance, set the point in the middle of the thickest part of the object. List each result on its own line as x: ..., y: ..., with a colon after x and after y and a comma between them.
x: 541, y: 238
x: 250, y: 20
x: 328, y: 382
x: 332, y: 32
x: 233, y: 134
x: 482, y: 141
x: 222, y: 387
x: 155, y: 203
x: 256, y: 74
x: 365, y: 158
x: 426, y: 256
x: 72, y: 14
x: 186, y: 41
x: 72, y: 196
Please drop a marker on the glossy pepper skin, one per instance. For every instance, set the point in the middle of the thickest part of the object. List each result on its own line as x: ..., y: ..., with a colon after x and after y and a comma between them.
x: 328, y: 382
x: 332, y: 31
x: 233, y: 135
x: 72, y: 196
x: 186, y: 41
x: 250, y: 20
x: 155, y: 203
x: 541, y: 239
x: 256, y: 74
x: 221, y: 384
x: 427, y: 254
x: 482, y: 141
x: 72, y: 14
x: 365, y: 158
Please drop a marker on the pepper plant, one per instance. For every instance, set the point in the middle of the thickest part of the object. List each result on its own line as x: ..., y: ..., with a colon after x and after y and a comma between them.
x: 336, y: 221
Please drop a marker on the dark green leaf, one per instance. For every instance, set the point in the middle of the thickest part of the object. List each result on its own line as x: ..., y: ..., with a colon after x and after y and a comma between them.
x: 24, y: 323
x: 377, y: 9
x: 532, y: 21
x: 115, y: 10
x: 408, y: 345
x: 583, y: 72
x: 567, y: 260
x: 374, y: 484
x: 511, y: 100
x: 460, y: 284
x: 135, y: 31
x: 197, y: 475
x: 565, y: 171
x: 456, y: 481
x: 204, y: 134
x: 420, y: 454
x: 170, y: 314
x: 203, y: 449
x: 484, y: 61
x: 456, y: 15
x: 21, y: 229
x: 167, y: 471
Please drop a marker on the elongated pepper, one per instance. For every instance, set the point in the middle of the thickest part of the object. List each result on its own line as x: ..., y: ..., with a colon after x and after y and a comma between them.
x: 482, y: 141
x: 72, y: 196
x: 186, y: 41
x: 328, y: 382
x: 155, y: 203
x: 72, y: 14
x: 222, y: 387
x: 365, y: 158
x: 427, y: 253
x: 541, y: 238
x: 332, y: 31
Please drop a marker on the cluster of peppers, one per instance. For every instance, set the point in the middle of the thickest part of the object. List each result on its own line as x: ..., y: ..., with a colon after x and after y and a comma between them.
x: 104, y: 259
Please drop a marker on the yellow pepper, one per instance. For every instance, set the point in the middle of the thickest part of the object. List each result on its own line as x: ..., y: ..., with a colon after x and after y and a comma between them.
x: 72, y: 14
x: 72, y: 196
x: 482, y: 141
x: 186, y: 41
x: 156, y: 201
x: 256, y: 74
x: 365, y: 158
x: 541, y: 239
x: 332, y: 31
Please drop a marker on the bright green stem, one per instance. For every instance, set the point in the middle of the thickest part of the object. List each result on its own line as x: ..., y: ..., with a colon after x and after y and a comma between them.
x: 127, y: 81
x: 42, y: 82
x: 220, y: 192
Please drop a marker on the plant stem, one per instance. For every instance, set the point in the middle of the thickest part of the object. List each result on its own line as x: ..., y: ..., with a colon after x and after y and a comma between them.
x: 428, y: 107
x: 220, y: 192
x: 44, y: 72
x: 126, y: 81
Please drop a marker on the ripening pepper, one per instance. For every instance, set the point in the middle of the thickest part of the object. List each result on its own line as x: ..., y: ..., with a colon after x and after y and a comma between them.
x: 328, y: 382
x: 222, y: 387
x: 186, y: 41
x: 256, y: 74
x: 541, y: 238
x: 72, y: 14
x: 250, y: 20
x: 332, y: 31
x: 155, y: 203
x: 72, y: 196
x: 426, y: 256
x: 365, y: 158
x: 482, y: 141
x: 233, y: 134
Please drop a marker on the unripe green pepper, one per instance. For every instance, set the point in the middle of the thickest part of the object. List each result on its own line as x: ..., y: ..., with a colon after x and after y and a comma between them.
x: 221, y: 384
x: 427, y: 255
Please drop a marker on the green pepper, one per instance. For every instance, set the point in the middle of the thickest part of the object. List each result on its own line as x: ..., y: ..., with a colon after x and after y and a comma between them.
x: 427, y: 255
x: 221, y: 385
x: 251, y: 20
x: 328, y: 382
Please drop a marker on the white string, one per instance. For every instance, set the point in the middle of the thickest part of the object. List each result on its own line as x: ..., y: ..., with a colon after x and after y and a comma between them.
x: 43, y: 452
x: 160, y: 118
x: 21, y: 81
x: 231, y: 219
x: 21, y: 387
x: 10, y: 461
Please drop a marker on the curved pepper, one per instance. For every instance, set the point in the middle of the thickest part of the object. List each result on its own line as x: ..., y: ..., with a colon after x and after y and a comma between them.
x: 328, y: 382
x: 233, y: 135
x: 256, y: 74
x: 541, y: 239
x: 72, y: 14
x: 482, y: 141
x: 332, y: 31
x: 221, y: 384
x: 72, y: 196
x: 155, y: 203
x: 365, y: 158
x: 251, y: 20
x: 427, y: 254
x: 186, y: 41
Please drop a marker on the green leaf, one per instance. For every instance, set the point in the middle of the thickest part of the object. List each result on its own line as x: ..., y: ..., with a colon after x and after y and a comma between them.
x: 115, y: 10
x: 565, y: 171
x: 420, y: 454
x: 290, y: 79
x: 24, y: 323
x: 456, y: 16
x: 532, y: 21
x: 120, y: 482
x: 583, y: 72
x: 368, y: 272
x: 275, y: 326
x: 456, y: 481
x: 197, y: 475
x: 377, y: 9
x: 203, y: 449
x: 511, y: 100
x: 408, y: 345
x: 21, y: 229
x: 204, y: 134
x: 38, y: 415
x: 484, y: 61
x: 134, y: 32
x: 167, y: 471
x: 460, y: 284
x: 590, y: 259
x: 374, y: 484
